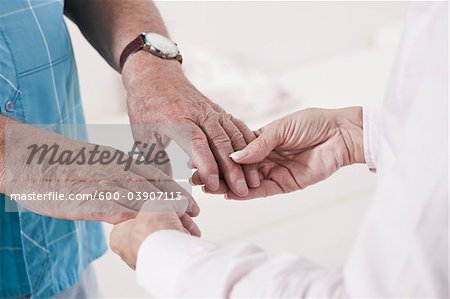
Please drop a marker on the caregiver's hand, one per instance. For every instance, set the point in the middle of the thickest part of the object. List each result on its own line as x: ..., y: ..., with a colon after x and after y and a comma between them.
x: 164, y: 105
x: 91, y: 182
x: 127, y: 237
x: 302, y: 149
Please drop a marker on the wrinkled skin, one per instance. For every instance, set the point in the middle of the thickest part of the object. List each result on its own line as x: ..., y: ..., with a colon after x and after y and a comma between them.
x: 20, y: 177
x: 299, y: 150
x: 164, y: 97
x: 127, y: 237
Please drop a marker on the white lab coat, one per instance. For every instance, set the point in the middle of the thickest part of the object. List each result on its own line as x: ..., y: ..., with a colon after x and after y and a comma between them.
x: 402, y: 247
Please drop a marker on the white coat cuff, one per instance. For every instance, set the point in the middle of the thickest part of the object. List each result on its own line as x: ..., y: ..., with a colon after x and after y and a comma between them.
x: 162, y: 258
x: 371, y: 129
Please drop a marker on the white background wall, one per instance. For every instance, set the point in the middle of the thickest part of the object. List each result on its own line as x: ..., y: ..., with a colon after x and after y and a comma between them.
x: 326, y: 54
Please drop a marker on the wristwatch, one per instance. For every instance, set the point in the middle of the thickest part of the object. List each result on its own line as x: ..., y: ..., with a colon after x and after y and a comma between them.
x: 154, y: 43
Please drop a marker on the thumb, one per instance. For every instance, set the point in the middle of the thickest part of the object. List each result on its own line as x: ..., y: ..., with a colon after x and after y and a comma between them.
x: 258, y: 149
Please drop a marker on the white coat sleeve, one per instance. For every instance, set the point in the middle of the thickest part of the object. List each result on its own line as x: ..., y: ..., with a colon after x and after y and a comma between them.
x: 190, y: 267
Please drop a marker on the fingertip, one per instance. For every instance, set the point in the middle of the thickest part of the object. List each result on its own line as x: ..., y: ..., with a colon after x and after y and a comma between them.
x: 253, y: 179
x: 189, y: 225
x: 241, y: 187
x: 194, y: 210
x: 213, y: 182
x: 234, y: 196
x: 239, y: 155
x: 223, y: 188
x: 197, y: 232
x: 195, y: 180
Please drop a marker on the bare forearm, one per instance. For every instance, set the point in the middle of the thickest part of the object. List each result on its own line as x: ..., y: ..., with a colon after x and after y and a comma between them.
x: 109, y: 25
x: 159, y: 93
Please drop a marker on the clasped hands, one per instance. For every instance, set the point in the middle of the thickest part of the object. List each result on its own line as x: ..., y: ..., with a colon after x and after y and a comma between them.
x: 286, y: 155
x: 289, y: 154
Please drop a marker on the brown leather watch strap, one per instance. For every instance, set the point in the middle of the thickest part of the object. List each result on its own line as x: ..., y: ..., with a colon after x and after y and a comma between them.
x: 136, y: 45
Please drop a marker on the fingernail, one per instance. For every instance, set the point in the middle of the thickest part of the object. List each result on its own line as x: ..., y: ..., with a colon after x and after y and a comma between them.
x: 253, y: 179
x: 241, y: 187
x: 213, y: 182
x: 187, y: 205
x: 239, y: 154
x: 193, y: 207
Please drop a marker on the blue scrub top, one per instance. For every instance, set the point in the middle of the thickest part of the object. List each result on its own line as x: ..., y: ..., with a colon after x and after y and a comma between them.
x: 41, y: 256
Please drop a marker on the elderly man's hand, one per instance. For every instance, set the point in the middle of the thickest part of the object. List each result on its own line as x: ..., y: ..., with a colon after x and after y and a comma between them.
x: 126, y: 238
x: 88, y: 182
x: 301, y: 149
x: 159, y: 95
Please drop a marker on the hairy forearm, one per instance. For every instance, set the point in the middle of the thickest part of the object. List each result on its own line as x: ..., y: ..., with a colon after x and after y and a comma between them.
x: 109, y: 25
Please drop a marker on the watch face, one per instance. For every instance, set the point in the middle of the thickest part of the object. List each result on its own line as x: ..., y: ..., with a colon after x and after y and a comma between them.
x: 162, y: 44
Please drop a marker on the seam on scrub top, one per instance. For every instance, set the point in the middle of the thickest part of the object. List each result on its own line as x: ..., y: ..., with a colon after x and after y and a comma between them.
x: 49, y: 56
x: 44, y: 66
x: 11, y: 248
x: 27, y: 8
x: 34, y: 242
x: 10, y: 83
x: 51, y: 126
x: 44, y: 267
x: 73, y: 67
x: 61, y: 237
x: 13, y: 58
x: 39, y: 279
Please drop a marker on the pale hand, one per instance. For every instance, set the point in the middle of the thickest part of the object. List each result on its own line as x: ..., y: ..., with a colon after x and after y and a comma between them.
x: 301, y: 149
x: 127, y: 237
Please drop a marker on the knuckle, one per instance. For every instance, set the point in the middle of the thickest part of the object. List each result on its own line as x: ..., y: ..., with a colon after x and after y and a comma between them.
x: 225, y: 117
x: 220, y: 141
x: 209, y: 169
x: 104, y: 210
x: 233, y: 170
x: 198, y: 140
x: 240, y: 124
x: 211, y: 116
x: 237, y: 137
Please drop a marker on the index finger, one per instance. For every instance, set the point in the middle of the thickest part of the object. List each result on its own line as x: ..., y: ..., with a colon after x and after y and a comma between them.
x: 194, y: 142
